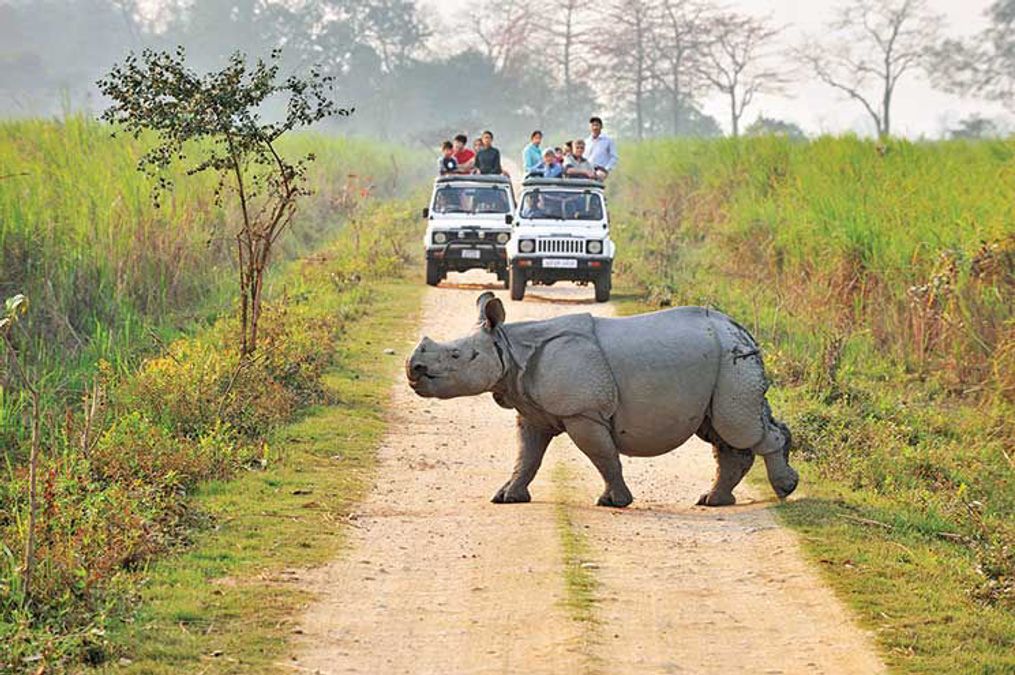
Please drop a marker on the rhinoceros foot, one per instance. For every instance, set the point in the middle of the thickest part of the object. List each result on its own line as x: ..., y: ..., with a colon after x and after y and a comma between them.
x: 716, y: 498
x: 785, y: 486
x: 510, y: 494
x: 615, y: 497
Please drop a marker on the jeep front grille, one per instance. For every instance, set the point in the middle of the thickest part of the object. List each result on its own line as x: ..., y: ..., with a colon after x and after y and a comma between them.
x: 560, y: 246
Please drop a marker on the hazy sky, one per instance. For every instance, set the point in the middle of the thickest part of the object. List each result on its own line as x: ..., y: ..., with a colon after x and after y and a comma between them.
x: 918, y: 109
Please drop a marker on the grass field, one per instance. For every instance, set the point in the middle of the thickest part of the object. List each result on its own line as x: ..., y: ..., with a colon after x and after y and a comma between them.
x: 131, y: 309
x: 880, y: 282
x: 112, y: 276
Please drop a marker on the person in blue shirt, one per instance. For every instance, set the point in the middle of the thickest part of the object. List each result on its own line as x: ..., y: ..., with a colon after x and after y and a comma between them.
x: 549, y: 167
x: 602, y: 149
x: 532, y: 155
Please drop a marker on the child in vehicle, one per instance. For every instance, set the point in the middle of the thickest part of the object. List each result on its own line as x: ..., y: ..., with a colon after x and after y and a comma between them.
x: 448, y: 164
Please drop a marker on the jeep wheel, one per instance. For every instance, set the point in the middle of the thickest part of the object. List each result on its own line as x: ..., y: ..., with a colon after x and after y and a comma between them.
x: 433, y: 273
x: 603, y: 284
x: 517, y: 284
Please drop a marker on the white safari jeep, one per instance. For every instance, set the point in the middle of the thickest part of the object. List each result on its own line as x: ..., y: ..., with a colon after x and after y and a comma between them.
x: 561, y: 233
x: 468, y: 226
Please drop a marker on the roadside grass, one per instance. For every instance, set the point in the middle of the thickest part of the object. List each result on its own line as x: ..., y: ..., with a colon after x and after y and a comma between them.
x: 581, y: 587
x: 579, y: 582
x: 112, y: 278
x: 909, y: 586
x: 879, y: 286
x: 908, y: 575
x: 226, y: 603
x: 184, y: 421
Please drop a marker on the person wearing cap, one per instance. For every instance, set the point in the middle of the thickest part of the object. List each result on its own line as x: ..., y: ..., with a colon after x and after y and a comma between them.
x: 549, y: 167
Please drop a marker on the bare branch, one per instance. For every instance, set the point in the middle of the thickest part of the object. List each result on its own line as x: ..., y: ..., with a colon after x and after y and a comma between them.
x: 875, y: 43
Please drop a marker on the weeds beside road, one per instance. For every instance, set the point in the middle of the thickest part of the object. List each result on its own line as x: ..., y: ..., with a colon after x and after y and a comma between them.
x: 118, y: 474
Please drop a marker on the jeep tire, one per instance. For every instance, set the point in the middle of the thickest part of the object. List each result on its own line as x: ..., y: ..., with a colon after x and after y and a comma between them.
x: 516, y: 283
x: 603, y: 284
x: 433, y: 273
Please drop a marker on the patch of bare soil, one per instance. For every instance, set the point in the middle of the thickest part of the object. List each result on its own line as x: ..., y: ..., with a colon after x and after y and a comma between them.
x: 437, y: 579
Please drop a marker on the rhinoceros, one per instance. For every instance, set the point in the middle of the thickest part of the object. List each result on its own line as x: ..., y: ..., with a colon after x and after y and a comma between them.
x: 637, y: 386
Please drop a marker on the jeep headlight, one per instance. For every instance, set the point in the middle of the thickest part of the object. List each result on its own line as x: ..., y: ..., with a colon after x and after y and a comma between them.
x: 527, y: 246
x: 439, y: 237
x: 503, y: 237
x: 594, y: 246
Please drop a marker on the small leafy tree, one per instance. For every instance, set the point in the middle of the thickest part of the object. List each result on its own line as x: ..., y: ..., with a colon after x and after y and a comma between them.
x: 215, y: 122
x: 14, y: 308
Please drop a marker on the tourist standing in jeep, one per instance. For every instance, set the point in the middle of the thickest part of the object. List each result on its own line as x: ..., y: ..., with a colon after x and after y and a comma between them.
x: 602, y: 151
x: 488, y: 159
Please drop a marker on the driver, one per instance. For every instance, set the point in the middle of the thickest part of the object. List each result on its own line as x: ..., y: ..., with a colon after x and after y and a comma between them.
x: 535, y: 206
x: 447, y: 201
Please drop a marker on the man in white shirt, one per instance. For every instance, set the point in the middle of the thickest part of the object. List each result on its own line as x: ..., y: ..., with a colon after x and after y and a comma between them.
x: 602, y: 151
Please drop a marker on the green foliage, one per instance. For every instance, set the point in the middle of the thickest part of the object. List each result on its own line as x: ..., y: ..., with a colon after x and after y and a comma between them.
x: 215, y: 122
x: 110, y: 276
x: 117, y: 476
x: 879, y: 281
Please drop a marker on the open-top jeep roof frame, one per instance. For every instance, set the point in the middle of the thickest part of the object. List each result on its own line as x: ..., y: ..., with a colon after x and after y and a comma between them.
x: 474, y: 178
x: 563, y: 183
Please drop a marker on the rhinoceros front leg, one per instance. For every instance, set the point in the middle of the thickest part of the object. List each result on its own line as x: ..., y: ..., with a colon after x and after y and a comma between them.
x: 731, y: 467
x: 595, y: 441
x: 532, y: 442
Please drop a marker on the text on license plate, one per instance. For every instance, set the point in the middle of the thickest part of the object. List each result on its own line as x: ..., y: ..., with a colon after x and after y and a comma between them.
x: 561, y: 263
x: 470, y: 253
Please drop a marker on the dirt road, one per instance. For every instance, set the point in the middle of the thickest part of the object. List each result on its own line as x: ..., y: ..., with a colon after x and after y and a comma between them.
x: 439, y: 580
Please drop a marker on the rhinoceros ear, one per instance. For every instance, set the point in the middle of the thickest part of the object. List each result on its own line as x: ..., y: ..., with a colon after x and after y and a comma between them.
x: 491, y: 310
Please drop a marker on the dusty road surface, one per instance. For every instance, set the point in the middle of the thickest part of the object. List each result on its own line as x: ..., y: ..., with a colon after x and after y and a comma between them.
x: 439, y: 580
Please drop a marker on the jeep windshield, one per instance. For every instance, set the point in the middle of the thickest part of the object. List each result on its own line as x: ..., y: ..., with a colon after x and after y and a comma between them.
x: 561, y: 205
x: 471, y: 200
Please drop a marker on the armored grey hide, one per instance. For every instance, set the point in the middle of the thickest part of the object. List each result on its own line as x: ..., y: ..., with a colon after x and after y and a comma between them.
x: 637, y: 386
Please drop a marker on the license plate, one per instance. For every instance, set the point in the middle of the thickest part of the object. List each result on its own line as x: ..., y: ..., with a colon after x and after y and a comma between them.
x: 470, y: 253
x: 561, y: 263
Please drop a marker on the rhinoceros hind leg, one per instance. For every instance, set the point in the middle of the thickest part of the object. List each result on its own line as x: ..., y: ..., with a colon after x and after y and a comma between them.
x: 775, y: 449
x: 595, y: 441
x: 731, y: 467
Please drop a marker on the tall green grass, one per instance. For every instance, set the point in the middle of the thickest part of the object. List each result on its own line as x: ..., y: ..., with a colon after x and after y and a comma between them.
x: 911, y: 242
x: 106, y: 272
x: 880, y: 281
x: 137, y: 300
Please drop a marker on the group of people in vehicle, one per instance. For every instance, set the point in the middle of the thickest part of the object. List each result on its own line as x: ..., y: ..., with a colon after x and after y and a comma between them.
x: 593, y: 157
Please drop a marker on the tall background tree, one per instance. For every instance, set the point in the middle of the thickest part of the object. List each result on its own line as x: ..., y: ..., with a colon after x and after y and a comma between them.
x: 737, y: 62
x: 677, y: 46
x: 624, y: 47
x: 215, y: 122
x: 873, y: 45
x: 985, y: 64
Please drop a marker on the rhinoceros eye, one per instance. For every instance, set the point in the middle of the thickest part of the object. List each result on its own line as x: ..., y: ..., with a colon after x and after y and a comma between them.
x: 474, y: 355
x: 455, y: 354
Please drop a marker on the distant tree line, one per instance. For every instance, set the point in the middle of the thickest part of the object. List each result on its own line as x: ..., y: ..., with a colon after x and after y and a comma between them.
x: 515, y: 65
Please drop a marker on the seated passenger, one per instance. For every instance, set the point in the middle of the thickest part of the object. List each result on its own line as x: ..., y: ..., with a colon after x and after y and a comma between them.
x: 549, y: 167
x: 448, y: 163
x: 576, y: 166
x: 465, y: 157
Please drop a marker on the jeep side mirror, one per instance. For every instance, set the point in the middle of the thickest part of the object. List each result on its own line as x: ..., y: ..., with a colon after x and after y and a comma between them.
x: 508, y: 219
x: 426, y: 212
